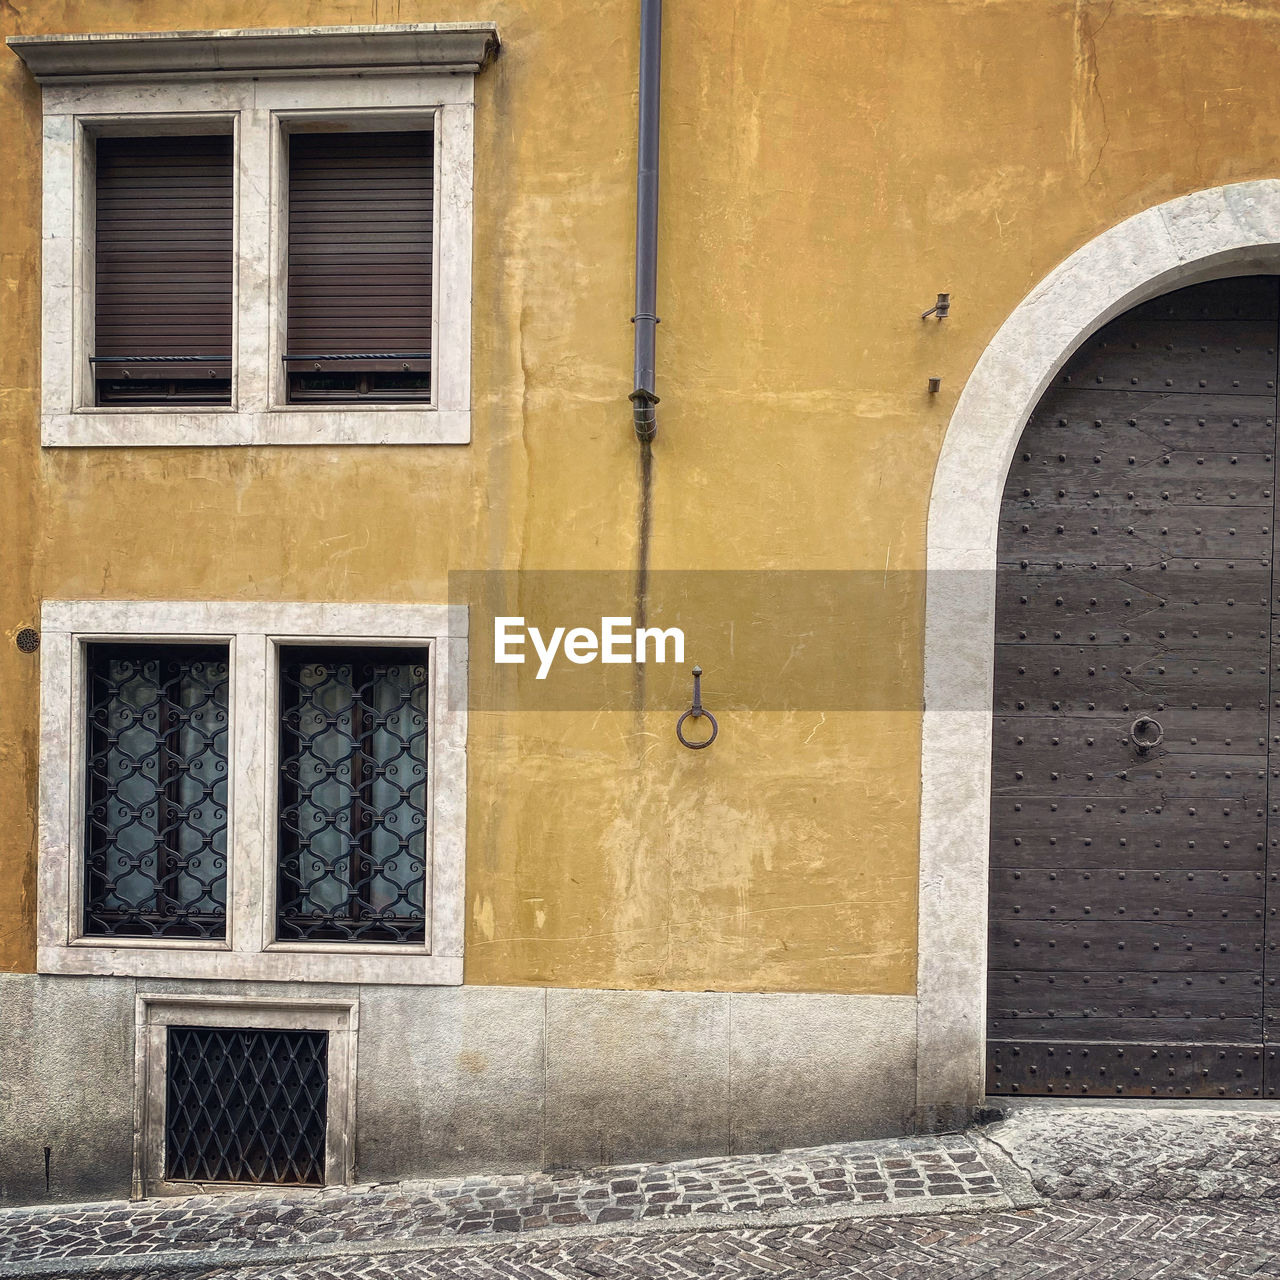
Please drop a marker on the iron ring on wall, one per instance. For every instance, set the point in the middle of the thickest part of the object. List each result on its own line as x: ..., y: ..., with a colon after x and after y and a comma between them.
x: 696, y: 746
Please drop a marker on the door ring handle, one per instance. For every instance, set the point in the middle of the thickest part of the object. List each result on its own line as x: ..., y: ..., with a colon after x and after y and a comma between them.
x: 1147, y: 733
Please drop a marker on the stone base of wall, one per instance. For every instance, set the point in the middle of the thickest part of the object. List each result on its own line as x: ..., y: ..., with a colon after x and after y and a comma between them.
x: 463, y: 1079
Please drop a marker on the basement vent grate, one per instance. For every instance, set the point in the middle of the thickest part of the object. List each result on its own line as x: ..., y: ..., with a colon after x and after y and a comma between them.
x: 246, y: 1105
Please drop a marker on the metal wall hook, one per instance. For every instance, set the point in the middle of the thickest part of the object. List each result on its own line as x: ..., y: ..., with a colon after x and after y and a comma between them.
x: 696, y: 711
x: 939, y: 308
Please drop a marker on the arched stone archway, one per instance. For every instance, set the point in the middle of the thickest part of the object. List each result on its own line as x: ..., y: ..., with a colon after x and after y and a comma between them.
x: 1233, y: 230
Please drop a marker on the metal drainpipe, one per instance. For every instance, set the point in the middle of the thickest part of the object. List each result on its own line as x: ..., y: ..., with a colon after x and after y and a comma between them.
x: 643, y: 399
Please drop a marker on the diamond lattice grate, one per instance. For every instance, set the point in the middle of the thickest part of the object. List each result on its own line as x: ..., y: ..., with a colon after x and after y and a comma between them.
x: 246, y: 1105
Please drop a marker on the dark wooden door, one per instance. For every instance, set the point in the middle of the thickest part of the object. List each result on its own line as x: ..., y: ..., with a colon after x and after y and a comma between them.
x: 1136, y: 762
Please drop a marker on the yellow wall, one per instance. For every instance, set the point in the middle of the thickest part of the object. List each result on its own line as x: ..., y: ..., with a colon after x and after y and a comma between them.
x: 826, y: 169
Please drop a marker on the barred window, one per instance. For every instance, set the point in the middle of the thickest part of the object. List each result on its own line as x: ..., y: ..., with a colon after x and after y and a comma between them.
x: 155, y: 827
x: 338, y: 732
x: 246, y: 1104
x: 353, y: 795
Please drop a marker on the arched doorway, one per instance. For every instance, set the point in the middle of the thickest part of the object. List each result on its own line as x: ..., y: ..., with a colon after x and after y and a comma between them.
x: 1128, y: 927
x: 1198, y: 237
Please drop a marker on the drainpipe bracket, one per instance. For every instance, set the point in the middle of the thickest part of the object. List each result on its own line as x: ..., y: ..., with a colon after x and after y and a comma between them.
x: 644, y: 415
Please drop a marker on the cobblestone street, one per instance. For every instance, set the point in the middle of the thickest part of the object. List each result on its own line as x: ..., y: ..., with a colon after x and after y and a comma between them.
x: 1061, y: 1190
x: 1058, y: 1241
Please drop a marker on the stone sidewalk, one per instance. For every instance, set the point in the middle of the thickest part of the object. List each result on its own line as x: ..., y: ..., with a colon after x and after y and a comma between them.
x: 1127, y: 1151
x: 1054, y: 1190
x: 816, y: 1184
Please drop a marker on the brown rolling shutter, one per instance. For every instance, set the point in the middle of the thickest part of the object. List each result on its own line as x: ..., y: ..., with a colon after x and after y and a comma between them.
x: 165, y: 210
x: 360, y: 229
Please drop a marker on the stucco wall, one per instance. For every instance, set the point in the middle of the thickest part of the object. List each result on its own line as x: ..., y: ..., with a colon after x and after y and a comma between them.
x: 826, y: 171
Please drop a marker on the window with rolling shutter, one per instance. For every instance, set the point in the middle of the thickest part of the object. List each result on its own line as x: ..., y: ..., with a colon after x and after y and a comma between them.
x: 163, y: 270
x: 360, y: 266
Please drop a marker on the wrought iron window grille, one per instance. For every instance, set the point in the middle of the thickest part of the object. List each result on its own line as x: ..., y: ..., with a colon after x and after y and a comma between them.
x: 353, y: 820
x: 246, y: 1105
x: 156, y: 770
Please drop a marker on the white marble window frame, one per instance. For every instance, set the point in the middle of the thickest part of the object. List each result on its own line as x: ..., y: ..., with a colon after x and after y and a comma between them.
x: 155, y: 1013
x: 259, y: 112
x: 252, y: 633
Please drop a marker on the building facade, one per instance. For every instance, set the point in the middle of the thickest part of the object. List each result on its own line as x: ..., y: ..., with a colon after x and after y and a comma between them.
x: 316, y: 373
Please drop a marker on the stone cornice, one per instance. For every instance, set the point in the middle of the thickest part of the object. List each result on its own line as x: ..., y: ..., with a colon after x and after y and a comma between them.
x: 150, y: 55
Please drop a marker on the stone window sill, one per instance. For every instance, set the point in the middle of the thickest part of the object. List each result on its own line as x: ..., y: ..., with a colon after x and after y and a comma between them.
x: 295, y: 425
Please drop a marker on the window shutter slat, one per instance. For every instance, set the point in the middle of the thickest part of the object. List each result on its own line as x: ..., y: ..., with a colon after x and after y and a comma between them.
x: 173, y: 234
x: 360, y: 264
x: 164, y: 268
